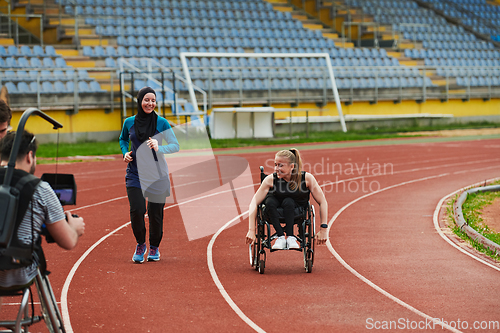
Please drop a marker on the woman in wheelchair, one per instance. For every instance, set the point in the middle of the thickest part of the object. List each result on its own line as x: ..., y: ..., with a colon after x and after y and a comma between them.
x: 288, y: 187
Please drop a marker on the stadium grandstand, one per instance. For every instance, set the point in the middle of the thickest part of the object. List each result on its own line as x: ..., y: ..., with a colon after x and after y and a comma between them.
x: 83, y: 61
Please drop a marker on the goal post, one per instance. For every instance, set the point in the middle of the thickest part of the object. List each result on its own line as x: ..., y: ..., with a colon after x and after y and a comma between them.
x: 326, y: 56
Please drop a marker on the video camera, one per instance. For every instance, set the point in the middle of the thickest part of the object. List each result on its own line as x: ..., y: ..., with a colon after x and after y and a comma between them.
x: 64, y: 186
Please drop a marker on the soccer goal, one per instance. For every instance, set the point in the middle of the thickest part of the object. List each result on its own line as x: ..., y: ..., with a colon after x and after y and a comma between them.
x: 185, y: 55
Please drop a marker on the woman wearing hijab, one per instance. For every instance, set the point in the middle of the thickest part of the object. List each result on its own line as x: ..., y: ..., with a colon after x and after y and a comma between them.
x: 147, y: 171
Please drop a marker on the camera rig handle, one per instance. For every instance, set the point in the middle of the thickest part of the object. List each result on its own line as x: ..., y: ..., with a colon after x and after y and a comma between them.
x: 17, y: 139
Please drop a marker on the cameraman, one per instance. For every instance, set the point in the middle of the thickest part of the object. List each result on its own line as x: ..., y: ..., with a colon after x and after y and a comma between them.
x: 5, y: 117
x: 43, y: 208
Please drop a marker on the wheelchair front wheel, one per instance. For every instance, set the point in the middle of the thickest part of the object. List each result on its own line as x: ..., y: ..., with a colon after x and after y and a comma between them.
x: 253, y: 252
x: 308, y: 260
x: 50, y: 311
x: 262, y: 266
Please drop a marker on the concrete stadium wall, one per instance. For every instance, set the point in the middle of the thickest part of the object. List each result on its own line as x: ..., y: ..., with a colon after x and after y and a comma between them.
x: 99, y: 125
x: 86, y: 125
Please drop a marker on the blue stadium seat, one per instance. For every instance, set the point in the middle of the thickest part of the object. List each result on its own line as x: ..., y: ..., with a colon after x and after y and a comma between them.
x: 23, y: 62
x: 95, y: 87
x: 23, y: 87
x: 88, y: 51
x: 50, y: 51
x: 60, y: 63
x: 33, y: 86
x: 48, y: 62
x: 60, y: 87
x: 83, y: 87
x: 26, y: 51
x: 13, y: 51
x: 59, y: 75
x: 260, y: 84
x: 175, y: 62
x: 46, y: 75
x: 47, y: 87
x: 10, y: 75
x: 99, y: 51
x: 110, y: 62
x: 248, y: 84
x: 22, y: 75
x: 11, y: 87
x: 11, y: 62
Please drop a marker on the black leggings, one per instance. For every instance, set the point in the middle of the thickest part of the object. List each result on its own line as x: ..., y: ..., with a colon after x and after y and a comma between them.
x: 138, y: 209
x: 288, y: 205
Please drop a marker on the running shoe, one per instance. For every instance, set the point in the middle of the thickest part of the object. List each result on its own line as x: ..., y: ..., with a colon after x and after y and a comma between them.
x: 280, y: 243
x: 140, y: 250
x: 154, y: 254
x: 291, y: 241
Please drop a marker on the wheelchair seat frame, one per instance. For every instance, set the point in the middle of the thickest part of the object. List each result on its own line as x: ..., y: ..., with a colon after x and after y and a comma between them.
x: 306, y: 234
x: 49, y: 311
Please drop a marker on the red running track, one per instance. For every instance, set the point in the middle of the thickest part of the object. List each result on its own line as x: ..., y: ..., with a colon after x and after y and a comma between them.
x: 385, y: 266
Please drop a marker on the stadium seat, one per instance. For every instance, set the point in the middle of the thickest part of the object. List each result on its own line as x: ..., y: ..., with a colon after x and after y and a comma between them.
x: 94, y: 86
x: 60, y: 63
x: 23, y: 62
x: 50, y: 51
x: 99, y: 51
x: 88, y: 51
x: 23, y: 87
x: 83, y: 87
x: 59, y: 75
x: 13, y: 51
x: 11, y: 87
x: 47, y: 88
x: 60, y: 87
x: 22, y: 75
x: 26, y: 51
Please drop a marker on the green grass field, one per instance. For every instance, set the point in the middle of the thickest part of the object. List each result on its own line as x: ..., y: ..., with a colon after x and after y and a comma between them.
x: 472, y: 213
x: 471, y: 209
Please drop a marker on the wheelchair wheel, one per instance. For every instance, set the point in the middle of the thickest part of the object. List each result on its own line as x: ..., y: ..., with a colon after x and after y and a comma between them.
x: 260, y: 253
x: 309, y: 245
x: 262, y: 266
x: 255, y: 255
x: 308, y: 260
x: 50, y: 311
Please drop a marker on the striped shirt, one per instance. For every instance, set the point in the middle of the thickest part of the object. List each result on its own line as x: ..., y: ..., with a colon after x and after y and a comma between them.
x: 45, y: 208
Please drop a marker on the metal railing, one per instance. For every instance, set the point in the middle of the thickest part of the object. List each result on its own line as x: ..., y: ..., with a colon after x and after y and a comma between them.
x: 349, y: 25
x: 373, y: 84
x: 9, y: 25
x: 399, y: 31
x: 157, y: 75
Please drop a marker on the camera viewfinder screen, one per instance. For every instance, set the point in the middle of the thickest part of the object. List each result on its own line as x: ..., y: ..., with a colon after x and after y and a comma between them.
x: 64, y: 195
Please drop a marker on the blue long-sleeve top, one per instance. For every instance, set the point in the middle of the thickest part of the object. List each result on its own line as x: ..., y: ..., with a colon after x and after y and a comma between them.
x: 148, y: 170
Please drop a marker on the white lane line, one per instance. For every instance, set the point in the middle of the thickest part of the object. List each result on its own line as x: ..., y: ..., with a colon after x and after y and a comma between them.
x: 368, y: 282
x: 446, y: 238
x: 238, y: 311
x: 64, y: 293
x: 219, y: 285
x: 69, y: 278
x: 98, y: 203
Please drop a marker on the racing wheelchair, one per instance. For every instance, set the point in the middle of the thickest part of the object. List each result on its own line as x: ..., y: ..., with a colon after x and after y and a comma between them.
x: 304, y: 219
x: 49, y: 312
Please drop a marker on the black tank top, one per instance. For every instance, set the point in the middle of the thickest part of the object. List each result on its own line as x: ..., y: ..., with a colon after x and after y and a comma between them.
x: 281, y: 190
